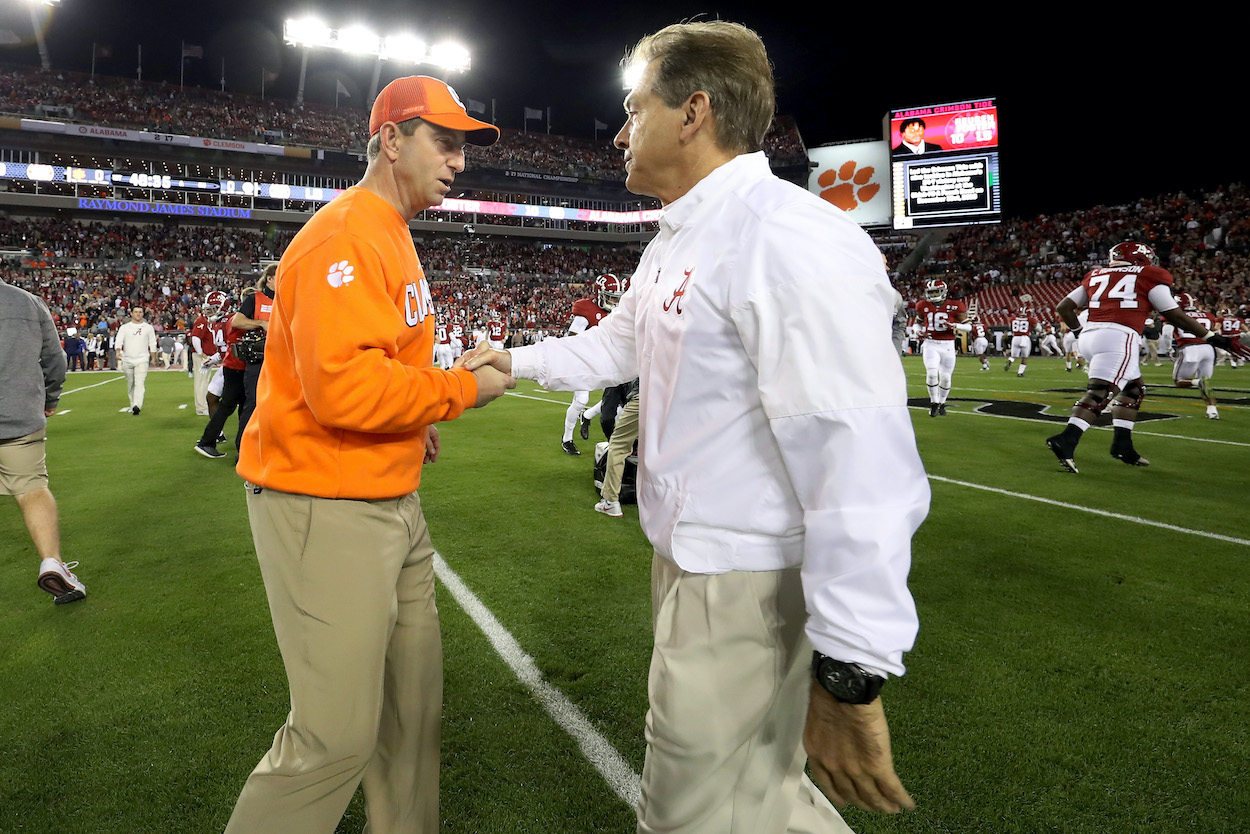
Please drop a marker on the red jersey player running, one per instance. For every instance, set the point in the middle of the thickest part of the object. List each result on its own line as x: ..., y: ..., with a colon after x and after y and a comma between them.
x: 1195, y: 359
x: 939, y: 318
x: 587, y: 314
x: 1022, y: 327
x: 1119, y: 297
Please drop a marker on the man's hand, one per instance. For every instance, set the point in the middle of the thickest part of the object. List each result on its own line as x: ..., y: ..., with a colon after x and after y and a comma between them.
x: 491, y: 384
x: 1224, y: 343
x: 500, y: 360
x: 432, y: 445
x: 848, y: 748
x: 48, y: 412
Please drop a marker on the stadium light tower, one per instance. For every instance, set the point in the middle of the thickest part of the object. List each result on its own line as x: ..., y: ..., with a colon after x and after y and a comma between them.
x: 359, y: 40
x: 37, y: 24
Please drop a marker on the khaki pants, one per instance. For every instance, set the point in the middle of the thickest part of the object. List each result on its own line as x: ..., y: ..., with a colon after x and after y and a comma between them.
x: 199, y: 380
x: 23, y: 464
x: 351, y: 591
x: 728, y: 691
x: 624, y: 433
x: 136, y: 376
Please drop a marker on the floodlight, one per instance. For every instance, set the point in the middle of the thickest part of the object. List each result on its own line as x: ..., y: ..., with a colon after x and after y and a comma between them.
x: 359, y: 40
x: 307, y: 31
x: 450, y: 56
x: 403, y: 48
x: 632, y: 73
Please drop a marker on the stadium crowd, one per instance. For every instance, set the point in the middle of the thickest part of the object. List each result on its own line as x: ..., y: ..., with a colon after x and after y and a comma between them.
x: 165, y: 108
x: 1203, y: 240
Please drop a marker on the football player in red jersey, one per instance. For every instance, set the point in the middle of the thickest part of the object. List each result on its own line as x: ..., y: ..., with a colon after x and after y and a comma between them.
x: 939, y: 318
x: 203, y: 348
x: 1119, y: 297
x: 1195, y: 361
x: 980, y: 342
x: 1022, y: 327
x: 1230, y: 328
x: 496, y: 331
x: 1070, y: 353
x: 444, y: 355
x: 587, y: 314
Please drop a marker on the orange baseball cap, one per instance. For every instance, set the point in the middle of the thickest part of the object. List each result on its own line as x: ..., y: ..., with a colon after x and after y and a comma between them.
x: 420, y: 96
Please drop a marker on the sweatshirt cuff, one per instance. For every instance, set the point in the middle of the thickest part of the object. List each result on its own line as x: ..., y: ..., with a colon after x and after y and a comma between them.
x: 468, y: 388
x: 525, y: 363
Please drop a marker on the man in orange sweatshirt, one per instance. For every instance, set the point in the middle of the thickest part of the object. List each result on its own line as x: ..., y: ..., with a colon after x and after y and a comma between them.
x: 346, y: 407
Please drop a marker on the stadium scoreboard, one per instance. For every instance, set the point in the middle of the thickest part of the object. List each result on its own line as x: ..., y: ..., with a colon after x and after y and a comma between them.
x: 38, y: 172
x: 944, y: 164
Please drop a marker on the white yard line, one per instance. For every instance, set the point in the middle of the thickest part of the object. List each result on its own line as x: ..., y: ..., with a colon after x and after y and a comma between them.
x: 1138, y: 431
x: 1092, y: 511
x: 616, y: 772
x: 97, y: 385
x: 539, y: 399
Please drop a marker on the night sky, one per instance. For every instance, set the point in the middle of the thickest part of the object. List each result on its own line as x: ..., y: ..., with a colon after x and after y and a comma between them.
x: 1099, y: 108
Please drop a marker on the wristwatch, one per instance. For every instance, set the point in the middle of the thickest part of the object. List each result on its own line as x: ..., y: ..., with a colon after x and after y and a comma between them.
x: 846, y: 682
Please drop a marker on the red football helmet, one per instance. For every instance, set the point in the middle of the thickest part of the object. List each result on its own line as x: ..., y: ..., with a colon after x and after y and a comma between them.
x: 1186, y: 301
x: 215, y: 304
x: 935, y: 290
x: 1135, y: 253
x: 609, y: 289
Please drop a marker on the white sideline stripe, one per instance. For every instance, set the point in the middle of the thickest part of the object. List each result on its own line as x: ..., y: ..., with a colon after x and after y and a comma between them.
x: 540, y: 399
x: 616, y: 772
x: 65, y: 411
x: 97, y: 385
x: 1105, y: 513
x: 976, y: 412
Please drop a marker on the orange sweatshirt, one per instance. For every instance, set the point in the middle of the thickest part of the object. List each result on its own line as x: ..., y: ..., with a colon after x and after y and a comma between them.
x: 348, y: 388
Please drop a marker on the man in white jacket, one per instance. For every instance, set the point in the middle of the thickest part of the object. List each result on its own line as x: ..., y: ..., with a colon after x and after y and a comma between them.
x: 779, y: 481
x: 136, y: 342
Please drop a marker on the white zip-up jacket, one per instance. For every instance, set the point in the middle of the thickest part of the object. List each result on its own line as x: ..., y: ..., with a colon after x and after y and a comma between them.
x: 774, y: 421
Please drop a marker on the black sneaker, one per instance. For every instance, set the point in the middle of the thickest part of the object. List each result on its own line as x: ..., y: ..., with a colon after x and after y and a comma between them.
x: 134, y: 409
x: 221, y: 438
x: 1129, y: 456
x: 209, y: 451
x: 569, y: 448
x: 585, y: 429
x: 941, y: 409
x: 933, y: 409
x: 1063, y: 452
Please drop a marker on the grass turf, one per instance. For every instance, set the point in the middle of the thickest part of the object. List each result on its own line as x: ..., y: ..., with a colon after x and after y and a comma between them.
x: 1074, y: 672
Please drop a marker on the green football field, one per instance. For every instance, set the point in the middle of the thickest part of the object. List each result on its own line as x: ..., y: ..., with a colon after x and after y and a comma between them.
x: 1083, y: 661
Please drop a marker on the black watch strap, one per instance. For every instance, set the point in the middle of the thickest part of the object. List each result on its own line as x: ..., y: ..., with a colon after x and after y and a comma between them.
x: 846, y: 682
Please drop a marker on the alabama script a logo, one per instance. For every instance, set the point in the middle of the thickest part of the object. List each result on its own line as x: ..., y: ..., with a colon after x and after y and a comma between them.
x: 679, y: 295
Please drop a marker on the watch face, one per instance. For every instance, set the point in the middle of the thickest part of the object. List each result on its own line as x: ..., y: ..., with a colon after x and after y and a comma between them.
x: 842, y: 680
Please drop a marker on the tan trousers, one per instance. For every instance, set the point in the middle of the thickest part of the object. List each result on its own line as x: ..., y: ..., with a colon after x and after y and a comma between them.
x: 351, y: 591
x: 728, y: 692
x: 619, y: 446
x: 136, y: 375
x: 199, y: 379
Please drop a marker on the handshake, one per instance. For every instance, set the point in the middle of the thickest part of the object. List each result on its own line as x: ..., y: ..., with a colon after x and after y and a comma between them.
x: 493, y: 370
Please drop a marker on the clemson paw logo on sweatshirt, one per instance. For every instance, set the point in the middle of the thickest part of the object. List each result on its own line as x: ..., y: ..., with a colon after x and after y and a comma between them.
x: 340, y: 274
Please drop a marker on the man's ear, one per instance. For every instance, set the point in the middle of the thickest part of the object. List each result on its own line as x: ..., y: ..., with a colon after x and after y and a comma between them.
x: 697, y: 115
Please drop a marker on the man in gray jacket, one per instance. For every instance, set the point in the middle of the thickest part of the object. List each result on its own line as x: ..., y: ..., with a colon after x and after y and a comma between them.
x: 32, y: 373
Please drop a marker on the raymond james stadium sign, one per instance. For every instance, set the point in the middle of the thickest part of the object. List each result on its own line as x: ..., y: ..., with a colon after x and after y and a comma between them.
x: 96, y: 204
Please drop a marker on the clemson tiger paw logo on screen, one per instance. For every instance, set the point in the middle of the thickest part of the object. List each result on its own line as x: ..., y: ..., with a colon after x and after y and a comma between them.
x: 848, y: 186
x: 340, y: 274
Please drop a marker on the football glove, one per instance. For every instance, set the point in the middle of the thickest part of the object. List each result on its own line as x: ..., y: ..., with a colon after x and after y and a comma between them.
x: 1224, y: 343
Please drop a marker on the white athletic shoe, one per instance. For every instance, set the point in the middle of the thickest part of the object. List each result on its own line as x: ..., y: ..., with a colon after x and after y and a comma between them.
x: 609, y: 508
x: 56, y: 578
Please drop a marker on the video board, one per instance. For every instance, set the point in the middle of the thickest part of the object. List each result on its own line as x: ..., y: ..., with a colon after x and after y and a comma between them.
x: 944, y: 164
